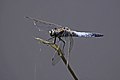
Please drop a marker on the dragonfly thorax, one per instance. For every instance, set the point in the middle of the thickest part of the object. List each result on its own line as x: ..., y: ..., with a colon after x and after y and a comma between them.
x: 60, y: 32
x: 54, y: 33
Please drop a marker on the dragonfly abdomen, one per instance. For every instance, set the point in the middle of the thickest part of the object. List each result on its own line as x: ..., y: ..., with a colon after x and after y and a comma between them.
x: 86, y: 34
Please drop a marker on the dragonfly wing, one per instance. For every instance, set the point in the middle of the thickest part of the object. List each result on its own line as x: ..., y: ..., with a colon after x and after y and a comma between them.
x: 70, y: 46
x: 56, y: 58
x: 44, y: 25
x: 71, y: 43
x: 86, y: 34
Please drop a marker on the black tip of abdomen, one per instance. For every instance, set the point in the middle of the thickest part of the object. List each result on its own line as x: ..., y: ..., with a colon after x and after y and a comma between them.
x: 98, y: 35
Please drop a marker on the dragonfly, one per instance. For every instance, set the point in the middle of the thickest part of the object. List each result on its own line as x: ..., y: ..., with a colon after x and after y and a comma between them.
x: 59, y: 32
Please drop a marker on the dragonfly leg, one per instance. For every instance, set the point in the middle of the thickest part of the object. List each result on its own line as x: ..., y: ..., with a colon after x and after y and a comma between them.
x: 63, y: 43
x: 55, y: 40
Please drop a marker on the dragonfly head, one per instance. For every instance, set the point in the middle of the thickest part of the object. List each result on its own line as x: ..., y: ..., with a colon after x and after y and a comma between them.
x: 52, y: 32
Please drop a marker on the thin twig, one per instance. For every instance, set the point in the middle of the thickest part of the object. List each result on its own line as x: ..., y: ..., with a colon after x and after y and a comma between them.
x: 57, y: 48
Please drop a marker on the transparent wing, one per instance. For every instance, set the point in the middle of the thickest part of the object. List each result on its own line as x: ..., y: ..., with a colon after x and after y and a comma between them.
x: 70, y: 42
x: 43, y: 25
x: 86, y: 34
x: 56, y: 58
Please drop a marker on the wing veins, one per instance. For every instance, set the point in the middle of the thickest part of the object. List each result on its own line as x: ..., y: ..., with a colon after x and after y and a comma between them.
x: 42, y: 21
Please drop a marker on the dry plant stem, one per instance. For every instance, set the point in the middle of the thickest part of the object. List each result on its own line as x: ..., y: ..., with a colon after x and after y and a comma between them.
x: 57, y: 48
